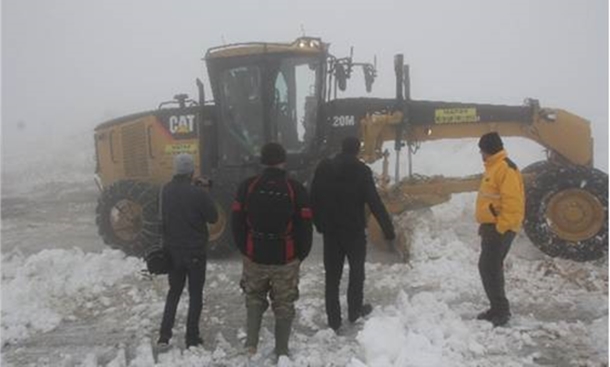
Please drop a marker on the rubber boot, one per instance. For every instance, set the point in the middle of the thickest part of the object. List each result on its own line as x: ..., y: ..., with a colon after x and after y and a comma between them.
x: 282, y: 335
x: 253, y: 325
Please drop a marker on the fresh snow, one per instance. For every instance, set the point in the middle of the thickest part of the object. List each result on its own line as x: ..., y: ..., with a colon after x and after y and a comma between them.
x: 68, y: 300
x: 424, y: 310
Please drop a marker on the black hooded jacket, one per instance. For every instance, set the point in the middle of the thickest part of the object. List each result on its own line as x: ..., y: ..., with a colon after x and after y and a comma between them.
x: 341, y: 187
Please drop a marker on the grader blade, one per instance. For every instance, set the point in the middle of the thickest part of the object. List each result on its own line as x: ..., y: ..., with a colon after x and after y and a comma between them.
x: 401, y: 246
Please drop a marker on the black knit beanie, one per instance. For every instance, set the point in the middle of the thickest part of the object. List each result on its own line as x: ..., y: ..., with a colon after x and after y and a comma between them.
x: 272, y: 154
x: 350, y: 145
x: 491, y: 143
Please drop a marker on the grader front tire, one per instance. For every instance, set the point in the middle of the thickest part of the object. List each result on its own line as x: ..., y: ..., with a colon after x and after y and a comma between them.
x: 567, y: 213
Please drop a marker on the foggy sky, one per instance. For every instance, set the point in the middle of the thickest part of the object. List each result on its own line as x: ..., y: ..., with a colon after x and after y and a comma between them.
x: 68, y: 65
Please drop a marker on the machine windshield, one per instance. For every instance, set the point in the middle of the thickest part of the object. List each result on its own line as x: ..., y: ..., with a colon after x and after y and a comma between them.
x: 294, y: 103
x: 272, y: 100
x: 242, y: 111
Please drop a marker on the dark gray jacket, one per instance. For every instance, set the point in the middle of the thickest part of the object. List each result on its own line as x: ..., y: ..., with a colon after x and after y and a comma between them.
x: 185, y: 211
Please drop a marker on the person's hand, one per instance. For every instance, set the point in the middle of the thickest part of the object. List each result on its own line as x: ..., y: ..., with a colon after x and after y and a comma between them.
x: 390, y: 236
x: 203, y: 182
x: 508, y: 236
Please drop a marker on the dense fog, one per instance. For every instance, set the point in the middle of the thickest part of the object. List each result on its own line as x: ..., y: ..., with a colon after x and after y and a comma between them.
x: 70, y: 300
x: 68, y: 65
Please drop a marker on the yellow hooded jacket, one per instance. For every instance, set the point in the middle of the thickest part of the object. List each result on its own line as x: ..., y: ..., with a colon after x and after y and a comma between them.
x: 501, y: 198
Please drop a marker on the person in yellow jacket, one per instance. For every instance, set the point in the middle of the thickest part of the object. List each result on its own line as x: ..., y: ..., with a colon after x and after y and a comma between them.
x: 500, y: 210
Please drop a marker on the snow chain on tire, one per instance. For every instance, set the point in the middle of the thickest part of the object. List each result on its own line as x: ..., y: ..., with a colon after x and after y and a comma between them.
x: 566, y: 212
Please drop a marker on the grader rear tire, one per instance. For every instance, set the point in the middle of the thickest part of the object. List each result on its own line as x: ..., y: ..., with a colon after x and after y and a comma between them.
x: 127, y: 219
x: 566, y: 213
x: 126, y: 216
x: 220, y: 242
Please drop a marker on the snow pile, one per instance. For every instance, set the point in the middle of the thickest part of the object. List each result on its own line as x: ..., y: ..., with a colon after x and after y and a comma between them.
x: 40, y: 291
x: 423, y: 332
x: 433, y: 320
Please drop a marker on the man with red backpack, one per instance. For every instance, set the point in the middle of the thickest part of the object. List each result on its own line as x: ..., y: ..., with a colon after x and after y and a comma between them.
x: 271, y: 223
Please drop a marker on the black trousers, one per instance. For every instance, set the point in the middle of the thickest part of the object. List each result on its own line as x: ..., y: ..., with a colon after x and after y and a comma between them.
x: 336, y: 248
x: 191, y: 265
x: 494, y: 248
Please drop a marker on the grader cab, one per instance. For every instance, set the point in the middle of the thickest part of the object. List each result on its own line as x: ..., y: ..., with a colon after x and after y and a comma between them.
x: 287, y: 92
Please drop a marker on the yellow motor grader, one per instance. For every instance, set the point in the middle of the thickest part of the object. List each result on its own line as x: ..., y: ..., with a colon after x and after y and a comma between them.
x: 287, y: 92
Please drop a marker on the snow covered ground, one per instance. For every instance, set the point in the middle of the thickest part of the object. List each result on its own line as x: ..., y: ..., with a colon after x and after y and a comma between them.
x: 75, y: 307
x: 67, y: 300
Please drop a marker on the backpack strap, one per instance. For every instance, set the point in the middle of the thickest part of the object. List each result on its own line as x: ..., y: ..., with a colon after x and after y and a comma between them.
x: 249, y: 239
x: 291, y: 193
x: 252, y: 186
x: 289, y: 240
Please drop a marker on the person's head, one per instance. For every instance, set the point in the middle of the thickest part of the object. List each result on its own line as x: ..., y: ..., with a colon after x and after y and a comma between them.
x: 184, y: 165
x: 490, y: 144
x: 350, y: 146
x: 273, y: 155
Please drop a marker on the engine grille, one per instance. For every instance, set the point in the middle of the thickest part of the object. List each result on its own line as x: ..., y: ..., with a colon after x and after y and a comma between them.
x: 135, y: 159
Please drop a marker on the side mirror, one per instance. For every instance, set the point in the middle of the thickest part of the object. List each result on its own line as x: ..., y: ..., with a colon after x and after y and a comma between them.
x: 369, y: 76
x: 341, y: 77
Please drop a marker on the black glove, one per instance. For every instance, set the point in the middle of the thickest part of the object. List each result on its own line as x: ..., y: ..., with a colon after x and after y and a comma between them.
x: 203, y: 182
x: 392, y: 245
x: 390, y: 236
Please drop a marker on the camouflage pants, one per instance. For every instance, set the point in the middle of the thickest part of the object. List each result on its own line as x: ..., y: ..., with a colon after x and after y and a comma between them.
x: 279, y: 282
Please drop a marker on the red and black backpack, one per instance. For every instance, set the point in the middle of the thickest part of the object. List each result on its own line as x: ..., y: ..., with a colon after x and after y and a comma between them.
x: 270, y: 207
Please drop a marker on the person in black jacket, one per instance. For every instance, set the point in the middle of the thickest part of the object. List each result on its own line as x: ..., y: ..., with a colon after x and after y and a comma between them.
x: 271, y: 223
x: 185, y: 209
x: 339, y: 191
